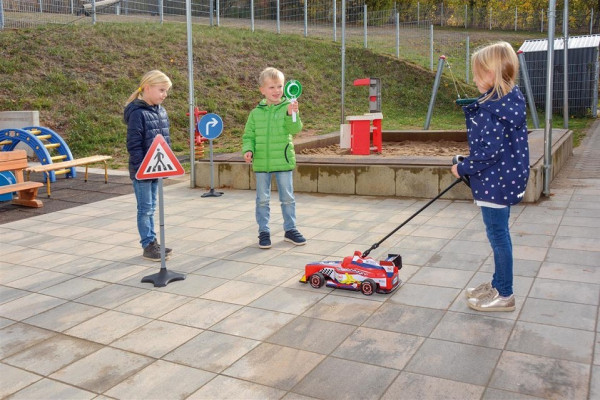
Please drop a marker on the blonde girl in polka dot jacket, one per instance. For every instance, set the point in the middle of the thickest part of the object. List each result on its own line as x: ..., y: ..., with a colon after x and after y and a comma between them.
x: 497, y: 165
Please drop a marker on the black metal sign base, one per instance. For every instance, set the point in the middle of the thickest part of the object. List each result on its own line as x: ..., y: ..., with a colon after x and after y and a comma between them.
x: 212, y: 193
x: 163, y: 278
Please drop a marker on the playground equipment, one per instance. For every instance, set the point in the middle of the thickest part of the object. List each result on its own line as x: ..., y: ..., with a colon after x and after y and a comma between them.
x: 442, y: 61
x: 362, y: 126
x: 198, y: 138
x: 47, y: 145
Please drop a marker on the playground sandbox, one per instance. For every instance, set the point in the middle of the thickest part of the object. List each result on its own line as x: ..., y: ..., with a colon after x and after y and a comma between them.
x: 412, y: 164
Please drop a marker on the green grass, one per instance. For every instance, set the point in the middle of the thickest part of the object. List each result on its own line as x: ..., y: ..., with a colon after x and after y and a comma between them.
x: 79, y: 76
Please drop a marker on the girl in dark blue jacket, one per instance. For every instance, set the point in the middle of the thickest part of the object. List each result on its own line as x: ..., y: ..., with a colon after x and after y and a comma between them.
x: 497, y: 165
x: 145, y: 118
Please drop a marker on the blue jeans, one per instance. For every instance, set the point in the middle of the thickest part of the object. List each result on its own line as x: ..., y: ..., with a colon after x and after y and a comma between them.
x: 145, y: 194
x: 285, y: 188
x: 496, y: 227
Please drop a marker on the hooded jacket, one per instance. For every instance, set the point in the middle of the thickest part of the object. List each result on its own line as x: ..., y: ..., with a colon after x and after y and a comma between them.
x: 268, y: 135
x: 498, y: 161
x: 144, y: 122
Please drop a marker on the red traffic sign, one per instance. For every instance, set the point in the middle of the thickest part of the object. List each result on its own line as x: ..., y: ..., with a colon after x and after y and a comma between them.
x: 159, y: 162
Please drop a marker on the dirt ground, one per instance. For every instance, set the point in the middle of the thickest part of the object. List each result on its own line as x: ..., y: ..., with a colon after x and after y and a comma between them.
x: 394, y: 149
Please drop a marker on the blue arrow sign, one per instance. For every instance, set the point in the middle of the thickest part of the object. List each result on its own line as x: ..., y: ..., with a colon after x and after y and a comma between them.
x: 210, y: 126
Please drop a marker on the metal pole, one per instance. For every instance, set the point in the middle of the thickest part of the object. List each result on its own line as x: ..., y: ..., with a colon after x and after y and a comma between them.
x: 431, y: 47
x: 211, y: 10
x: 335, y: 21
x: 252, y: 15
x: 218, y: 12
x: 418, y: 13
x: 93, y: 11
x: 542, y: 30
x: 591, y: 20
x: 161, y: 216
x: 596, y: 75
x: 436, y: 84
x: 490, y: 19
x: 566, y: 65
x: 516, y: 18
x: 160, y: 11
x: 343, y: 58
x: 466, y: 15
x: 278, y: 17
x: 305, y: 19
x: 1, y: 15
x: 468, y: 58
x: 528, y: 91
x: 442, y: 15
x: 192, y: 121
x: 549, y: 85
x: 365, y: 24
x: 397, y: 35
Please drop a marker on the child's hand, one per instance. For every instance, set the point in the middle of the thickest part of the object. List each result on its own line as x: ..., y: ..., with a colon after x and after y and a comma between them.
x: 248, y: 157
x: 454, y: 170
x: 293, y: 107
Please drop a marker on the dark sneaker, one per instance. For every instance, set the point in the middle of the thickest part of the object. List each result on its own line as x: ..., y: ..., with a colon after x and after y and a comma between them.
x: 264, y: 240
x: 293, y: 236
x: 168, y: 251
x: 152, y: 252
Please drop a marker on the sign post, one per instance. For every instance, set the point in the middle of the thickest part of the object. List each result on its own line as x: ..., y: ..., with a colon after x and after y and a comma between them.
x: 159, y: 163
x: 210, y: 126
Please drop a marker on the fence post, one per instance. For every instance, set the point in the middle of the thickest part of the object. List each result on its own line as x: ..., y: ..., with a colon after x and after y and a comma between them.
x: 1, y: 15
x: 431, y: 47
x: 41, y: 6
x: 365, y: 23
x: 490, y: 19
x: 252, y: 15
x: 468, y: 58
x: 466, y: 15
x: 418, y: 13
x: 542, y: 30
x: 595, y: 99
x: 218, y: 16
x: 442, y: 15
x: 397, y: 35
x: 566, y: 65
x: 335, y: 23
x: 160, y: 11
x: 549, y: 85
x: 211, y: 10
x: 343, y: 111
x: 93, y: 12
x: 591, y: 20
x: 278, y: 17
x: 305, y: 19
x: 516, y: 16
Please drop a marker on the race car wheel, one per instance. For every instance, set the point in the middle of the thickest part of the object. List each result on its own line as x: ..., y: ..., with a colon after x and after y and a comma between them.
x: 367, y: 287
x: 317, y: 280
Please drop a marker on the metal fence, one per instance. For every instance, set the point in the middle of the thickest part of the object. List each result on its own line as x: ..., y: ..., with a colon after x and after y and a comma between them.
x: 414, y: 33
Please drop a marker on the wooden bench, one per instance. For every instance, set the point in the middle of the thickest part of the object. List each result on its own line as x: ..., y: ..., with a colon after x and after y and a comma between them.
x: 65, y: 165
x: 16, y: 161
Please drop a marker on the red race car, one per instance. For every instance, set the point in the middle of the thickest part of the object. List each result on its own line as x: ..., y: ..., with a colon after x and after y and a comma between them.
x: 356, y: 273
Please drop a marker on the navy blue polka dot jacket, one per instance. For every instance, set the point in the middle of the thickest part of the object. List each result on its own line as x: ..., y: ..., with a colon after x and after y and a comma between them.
x: 498, y: 161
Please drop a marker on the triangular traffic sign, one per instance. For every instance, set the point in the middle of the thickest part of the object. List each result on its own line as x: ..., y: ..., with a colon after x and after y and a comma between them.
x: 159, y: 162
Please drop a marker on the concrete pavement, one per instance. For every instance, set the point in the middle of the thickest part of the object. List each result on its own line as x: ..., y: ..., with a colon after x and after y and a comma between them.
x: 76, y: 322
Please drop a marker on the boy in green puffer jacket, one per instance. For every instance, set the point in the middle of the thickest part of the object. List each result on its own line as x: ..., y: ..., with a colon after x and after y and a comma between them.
x: 267, y: 144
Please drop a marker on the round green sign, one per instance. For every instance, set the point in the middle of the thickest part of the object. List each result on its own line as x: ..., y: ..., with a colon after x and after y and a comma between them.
x: 292, y: 89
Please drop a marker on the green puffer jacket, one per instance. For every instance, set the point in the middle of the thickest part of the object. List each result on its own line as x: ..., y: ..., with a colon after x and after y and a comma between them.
x: 268, y: 135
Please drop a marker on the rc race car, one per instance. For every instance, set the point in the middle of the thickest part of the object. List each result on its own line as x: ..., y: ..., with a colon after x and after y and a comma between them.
x: 356, y: 273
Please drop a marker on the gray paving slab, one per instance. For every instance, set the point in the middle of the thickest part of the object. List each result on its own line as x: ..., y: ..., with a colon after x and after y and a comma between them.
x: 77, y: 322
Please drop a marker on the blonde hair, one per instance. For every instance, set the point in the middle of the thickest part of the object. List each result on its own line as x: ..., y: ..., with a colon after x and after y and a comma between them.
x: 150, y: 78
x: 270, y: 73
x: 500, y: 59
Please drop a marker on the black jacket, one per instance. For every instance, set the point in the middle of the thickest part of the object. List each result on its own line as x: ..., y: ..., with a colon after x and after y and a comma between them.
x: 144, y: 122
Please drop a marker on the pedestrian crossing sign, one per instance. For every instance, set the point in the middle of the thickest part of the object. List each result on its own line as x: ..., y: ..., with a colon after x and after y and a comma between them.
x: 159, y: 162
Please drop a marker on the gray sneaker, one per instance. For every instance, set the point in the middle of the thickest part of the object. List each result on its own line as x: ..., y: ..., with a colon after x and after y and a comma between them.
x: 492, y: 301
x: 479, y: 290
x: 152, y: 252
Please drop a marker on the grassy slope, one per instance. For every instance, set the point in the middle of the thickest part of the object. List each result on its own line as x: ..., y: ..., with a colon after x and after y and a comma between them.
x: 79, y: 76
x: 80, y: 84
